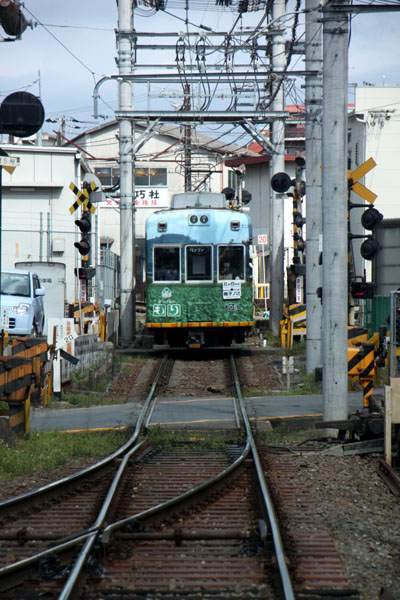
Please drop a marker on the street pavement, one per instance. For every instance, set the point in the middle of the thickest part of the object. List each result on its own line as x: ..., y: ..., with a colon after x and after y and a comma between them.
x: 185, y: 412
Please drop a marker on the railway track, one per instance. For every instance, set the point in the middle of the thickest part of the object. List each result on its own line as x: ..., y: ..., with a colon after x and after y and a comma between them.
x: 184, y: 521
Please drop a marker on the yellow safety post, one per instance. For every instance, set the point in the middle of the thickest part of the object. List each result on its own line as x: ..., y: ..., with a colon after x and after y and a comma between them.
x: 27, y: 413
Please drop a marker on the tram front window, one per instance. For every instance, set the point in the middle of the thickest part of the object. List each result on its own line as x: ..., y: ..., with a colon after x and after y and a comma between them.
x: 166, y: 263
x: 230, y: 263
x: 199, y: 263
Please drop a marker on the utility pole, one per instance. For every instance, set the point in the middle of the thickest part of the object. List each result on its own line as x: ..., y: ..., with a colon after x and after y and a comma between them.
x: 313, y: 102
x: 187, y: 142
x: 277, y: 166
x: 126, y: 139
x: 334, y: 210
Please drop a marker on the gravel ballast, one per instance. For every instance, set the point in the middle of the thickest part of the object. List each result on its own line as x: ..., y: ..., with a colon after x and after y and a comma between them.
x: 357, y: 508
x: 362, y: 517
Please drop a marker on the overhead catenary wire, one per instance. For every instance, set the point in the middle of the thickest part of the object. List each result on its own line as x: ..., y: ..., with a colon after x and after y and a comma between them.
x: 62, y: 44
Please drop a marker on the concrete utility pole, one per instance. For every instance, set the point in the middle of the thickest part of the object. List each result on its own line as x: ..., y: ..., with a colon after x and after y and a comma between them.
x: 334, y: 207
x: 277, y: 166
x: 313, y: 101
x: 126, y: 130
x: 187, y: 141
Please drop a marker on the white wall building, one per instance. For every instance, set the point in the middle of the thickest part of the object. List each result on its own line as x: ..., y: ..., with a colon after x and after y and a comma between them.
x: 37, y: 225
x: 36, y: 222
x: 159, y: 171
x: 374, y: 132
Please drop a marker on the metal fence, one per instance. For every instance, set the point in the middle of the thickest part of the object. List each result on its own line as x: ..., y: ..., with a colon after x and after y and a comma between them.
x: 107, y: 276
x: 377, y: 311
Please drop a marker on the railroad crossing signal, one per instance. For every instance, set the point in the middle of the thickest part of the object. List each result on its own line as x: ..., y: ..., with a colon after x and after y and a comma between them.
x: 82, y: 197
x: 359, y: 188
x: 371, y: 216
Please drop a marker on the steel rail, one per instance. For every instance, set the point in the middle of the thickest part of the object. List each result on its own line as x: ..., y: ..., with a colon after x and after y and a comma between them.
x: 96, y: 533
x: 33, y: 494
x: 279, y: 549
x: 150, y: 512
x: 70, y: 586
x: 72, y: 583
x: 88, y: 536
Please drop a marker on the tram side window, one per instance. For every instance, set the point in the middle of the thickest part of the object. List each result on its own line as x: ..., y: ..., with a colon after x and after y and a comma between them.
x: 198, y: 263
x: 230, y: 263
x: 166, y: 264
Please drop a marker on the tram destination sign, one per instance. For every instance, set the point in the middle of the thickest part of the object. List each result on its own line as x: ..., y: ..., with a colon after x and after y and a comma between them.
x: 231, y: 290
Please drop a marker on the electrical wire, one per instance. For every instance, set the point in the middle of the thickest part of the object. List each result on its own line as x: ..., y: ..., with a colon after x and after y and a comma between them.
x: 62, y: 44
x: 84, y: 27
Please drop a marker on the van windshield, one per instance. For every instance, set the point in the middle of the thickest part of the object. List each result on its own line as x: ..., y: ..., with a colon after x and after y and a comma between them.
x: 15, y: 284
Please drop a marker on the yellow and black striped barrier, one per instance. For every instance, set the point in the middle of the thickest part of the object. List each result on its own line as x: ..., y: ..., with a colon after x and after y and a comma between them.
x: 15, y: 377
x: 356, y: 335
x: 15, y: 384
x: 293, y: 324
x: 21, y: 379
x: 30, y: 348
x: 35, y: 349
x: 361, y: 363
x: 87, y: 309
x: 19, y: 416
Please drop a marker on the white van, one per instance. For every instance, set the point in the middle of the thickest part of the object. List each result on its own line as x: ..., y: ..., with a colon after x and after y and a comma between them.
x: 21, y: 302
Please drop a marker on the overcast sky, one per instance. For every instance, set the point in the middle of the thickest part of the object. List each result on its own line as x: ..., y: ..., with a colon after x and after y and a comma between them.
x: 73, y: 46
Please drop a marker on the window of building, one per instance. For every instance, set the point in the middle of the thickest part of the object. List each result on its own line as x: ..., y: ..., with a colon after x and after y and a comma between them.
x: 144, y: 176
x: 141, y: 177
x: 199, y: 263
x: 108, y: 176
x: 158, y: 177
x: 232, y: 179
x: 166, y: 263
x: 231, y: 261
x: 153, y: 177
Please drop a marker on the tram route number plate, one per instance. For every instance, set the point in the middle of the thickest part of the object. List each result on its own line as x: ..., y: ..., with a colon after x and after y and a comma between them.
x: 231, y: 290
x: 169, y: 310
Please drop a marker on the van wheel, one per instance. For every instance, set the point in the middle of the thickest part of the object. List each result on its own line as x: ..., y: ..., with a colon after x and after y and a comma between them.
x: 34, y: 331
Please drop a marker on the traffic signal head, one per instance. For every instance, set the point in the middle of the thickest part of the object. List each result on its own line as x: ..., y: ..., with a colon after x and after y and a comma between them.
x: 281, y: 182
x: 369, y: 248
x: 83, y: 247
x: 298, y: 219
x: 362, y: 290
x: 11, y: 18
x: 246, y: 197
x: 85, y: 272
x: 370, y: 218
x: 84, y: 225
x: 84, y: 222
x: 300, y: 243
x: 229, y: 193
x: 21, y: 114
